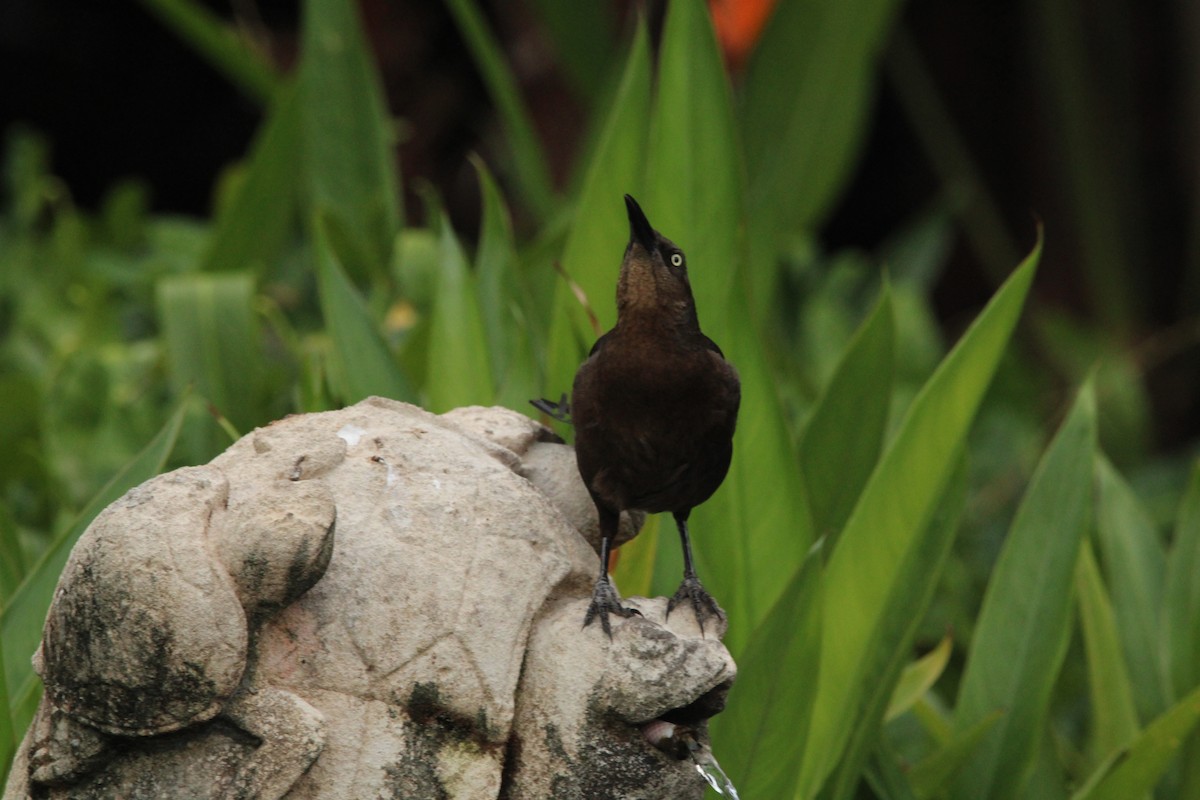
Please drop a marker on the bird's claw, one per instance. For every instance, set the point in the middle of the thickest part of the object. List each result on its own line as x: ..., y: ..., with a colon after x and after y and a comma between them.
x: 702, y: 603
x: 605, y: 601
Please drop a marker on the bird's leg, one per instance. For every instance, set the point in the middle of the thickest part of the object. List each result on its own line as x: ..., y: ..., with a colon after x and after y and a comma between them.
x: 605, y: 599
x: 690, y: 589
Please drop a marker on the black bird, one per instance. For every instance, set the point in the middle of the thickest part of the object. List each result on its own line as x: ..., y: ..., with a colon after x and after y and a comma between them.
x: 654, y: 408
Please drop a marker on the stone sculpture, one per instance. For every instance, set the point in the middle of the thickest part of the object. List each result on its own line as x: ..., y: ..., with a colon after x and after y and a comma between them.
x: 371, y: 602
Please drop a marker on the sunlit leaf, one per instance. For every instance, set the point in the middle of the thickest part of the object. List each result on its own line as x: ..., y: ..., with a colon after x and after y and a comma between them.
x: 458, y: 372
x: 896, y: 506
x: 918, y: 678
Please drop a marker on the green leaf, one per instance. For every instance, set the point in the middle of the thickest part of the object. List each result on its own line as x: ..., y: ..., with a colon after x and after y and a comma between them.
x: 807, y: 91
x: 761, y: 735
x: 1114, y: 718
x: 21, y: 619
x: 1136, y: 770
x: 843, y: 436
x: 583, y: 37
x: 360, y: 364
x: 1181, y: 598
x: 251, y: 229
x: 12, y: 557
x: 931, y: 776
x: 694, y: 194
x: 213, y: 343
x: 895, y: 507
x: 917, y: 580
x: 348, y: 136
x: 458, y: 372
x: 222, y: 44
x: 600, y: 229
x: 1135, y: 567
x: 532, y: 173
x: 1025, y: 622
x: 918, y: 678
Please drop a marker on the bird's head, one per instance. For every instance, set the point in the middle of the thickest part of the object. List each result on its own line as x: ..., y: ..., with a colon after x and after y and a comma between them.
x: 654, y: 275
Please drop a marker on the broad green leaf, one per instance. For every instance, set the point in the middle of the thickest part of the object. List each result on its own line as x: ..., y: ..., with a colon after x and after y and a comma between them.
x: 532, y: 174
x: 884, y: 776
x: 1138, y: 768
x: 931, y: 776
x: 600, y: 229
x: 917, y: 580
x: 918, y: 678
x: 843, y: 436
x: 693, y: 195
x: 1114, y: 718
x: 347, y: 135
x: 895, y: 507
x: 21, y: 619
x: 1181, y: 598
x: 222, y: 44
x: 360, y: 364
x: 1045, y: 780
x: 458, y: 372
x: 803, y: 109
x: 761, y: 735
x: 1134, y: 566
x: 251, y: 229
x: 1025, y: 622
x: 213, y: 343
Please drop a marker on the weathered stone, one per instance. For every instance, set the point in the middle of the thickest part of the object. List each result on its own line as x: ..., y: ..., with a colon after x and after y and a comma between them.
x: 372, y: 602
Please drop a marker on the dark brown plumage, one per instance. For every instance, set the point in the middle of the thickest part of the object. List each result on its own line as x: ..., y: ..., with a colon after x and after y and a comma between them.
x: 654, y: 408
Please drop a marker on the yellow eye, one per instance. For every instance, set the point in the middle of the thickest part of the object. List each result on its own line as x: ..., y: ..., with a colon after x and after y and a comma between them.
x: 677, y: 259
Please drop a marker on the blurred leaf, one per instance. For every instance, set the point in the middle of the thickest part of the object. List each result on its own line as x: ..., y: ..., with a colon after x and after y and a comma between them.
x: 12, y: 558
x: 1024, y: 624
x: 761, y: 735
x: 220, y: 43
x: 1114, y: 718
x: 884, y: 776
x: 1136, y: 770
x: 1135, y: 568
x: 894, y: 508
x: 251, y: 229
x: 582, y: 34
x: 212, y: 342
x: 918, y: 678
x: 635, y: 567
x: 458, y: 373
x: 348, y: 136
x: 693, y: 194
x: 599, y: 231
x: 8, y: 736
x: 804, y: 101
x: 843, y: 436
x: 504, y: 301
x: 1181, y: 598
x: 21, y: 619
x: 360, y: 365
x: 932, y: 775
x: 532, y: 173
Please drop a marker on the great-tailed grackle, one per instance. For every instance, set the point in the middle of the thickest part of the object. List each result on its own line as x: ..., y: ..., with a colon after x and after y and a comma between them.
x: 654, y: 408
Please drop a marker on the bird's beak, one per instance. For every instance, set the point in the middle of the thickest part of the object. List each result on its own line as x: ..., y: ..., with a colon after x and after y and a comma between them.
x: 639, y: 227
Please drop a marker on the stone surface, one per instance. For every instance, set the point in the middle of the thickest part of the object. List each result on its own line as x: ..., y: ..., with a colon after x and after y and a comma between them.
x: 371, y: 602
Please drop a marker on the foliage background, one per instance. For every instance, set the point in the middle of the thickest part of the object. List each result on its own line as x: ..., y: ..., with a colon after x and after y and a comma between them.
x: 216, y: 215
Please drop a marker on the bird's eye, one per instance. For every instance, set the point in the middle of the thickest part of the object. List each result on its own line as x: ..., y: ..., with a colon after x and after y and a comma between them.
x: 677, y: 259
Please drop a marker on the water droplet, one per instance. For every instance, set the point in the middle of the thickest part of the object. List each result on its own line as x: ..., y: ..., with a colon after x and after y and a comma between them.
x: 711, y: 771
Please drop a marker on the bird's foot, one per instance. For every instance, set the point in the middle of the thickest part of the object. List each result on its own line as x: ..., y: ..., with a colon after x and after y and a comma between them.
x: 605, y: 601
x: 701, y: 601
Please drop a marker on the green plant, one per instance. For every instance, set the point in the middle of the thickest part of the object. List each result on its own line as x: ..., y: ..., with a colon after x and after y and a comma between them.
x: 868, y: 453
